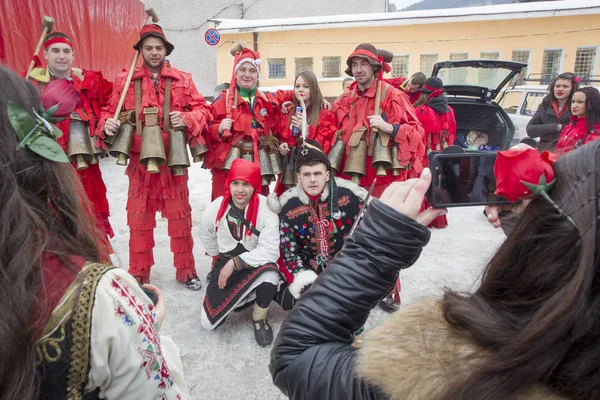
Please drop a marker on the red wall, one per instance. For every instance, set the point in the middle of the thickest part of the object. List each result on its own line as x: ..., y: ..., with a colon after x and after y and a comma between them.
x: 103, y: 31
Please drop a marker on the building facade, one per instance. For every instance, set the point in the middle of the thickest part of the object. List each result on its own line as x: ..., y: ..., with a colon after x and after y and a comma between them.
x: 551, y: 37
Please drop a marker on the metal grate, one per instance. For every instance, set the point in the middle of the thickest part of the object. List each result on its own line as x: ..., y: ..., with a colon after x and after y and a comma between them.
x: 523, y: 57
x: 276, y: 68
x: 400, y: 66
x: 331, y: 67
x: 584, y: 61
x: 550, y: 65
x: 303, y: 64
x: 458, y: 56
x: 427, y: 63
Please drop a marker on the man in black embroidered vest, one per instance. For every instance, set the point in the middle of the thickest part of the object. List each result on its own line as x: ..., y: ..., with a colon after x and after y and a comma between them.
x: 315, y: 218
x: 239, y: 228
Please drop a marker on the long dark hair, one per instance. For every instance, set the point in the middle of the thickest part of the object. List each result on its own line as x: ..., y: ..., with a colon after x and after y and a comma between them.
x: 536, y: 311
x: 316, y: 98
x: 592, y: 107
x: 550, y: 97
x: 41, y: 214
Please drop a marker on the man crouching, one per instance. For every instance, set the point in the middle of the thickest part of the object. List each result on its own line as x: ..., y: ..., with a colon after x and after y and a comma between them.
x: 315, y: 218
x: 243, y: 233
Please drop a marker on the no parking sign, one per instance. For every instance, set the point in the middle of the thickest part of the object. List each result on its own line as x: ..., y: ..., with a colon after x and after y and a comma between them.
x: 212, y: 37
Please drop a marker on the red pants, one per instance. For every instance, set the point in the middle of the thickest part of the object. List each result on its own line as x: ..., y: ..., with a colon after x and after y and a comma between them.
x: 149, y: 193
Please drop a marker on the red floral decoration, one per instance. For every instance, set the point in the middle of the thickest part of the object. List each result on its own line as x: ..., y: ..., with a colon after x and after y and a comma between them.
x: 518, y: 171
x: 63, y: 93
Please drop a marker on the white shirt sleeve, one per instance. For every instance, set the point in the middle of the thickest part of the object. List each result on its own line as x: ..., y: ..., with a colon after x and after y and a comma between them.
x: 207, y: 235
x: 129, y: 360
x: 267, y: 250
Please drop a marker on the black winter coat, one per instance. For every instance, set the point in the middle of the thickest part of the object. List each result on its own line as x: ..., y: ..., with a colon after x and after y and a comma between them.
x: 544, y: 125
x: 313, y: 356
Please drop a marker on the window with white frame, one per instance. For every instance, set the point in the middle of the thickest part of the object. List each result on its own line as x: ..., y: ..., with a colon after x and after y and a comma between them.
x: 550, y: 65
x: 490, y: 55
x: 584, y: 61
x: 458, y: 56
x: 427, y: 63
x: 303, y: 64
x: 276, y: 68
x: 400, y: 65
x: 332, y: 67
x: 521, y: 56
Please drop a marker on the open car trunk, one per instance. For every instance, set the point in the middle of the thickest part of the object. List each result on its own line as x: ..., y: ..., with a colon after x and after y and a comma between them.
x: 474, y: 120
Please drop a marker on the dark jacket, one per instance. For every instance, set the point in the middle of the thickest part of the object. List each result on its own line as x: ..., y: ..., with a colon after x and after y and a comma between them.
x: 313, y: 356
x: 544, y: 125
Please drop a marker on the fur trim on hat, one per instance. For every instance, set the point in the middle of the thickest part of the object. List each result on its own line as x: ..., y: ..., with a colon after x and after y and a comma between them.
x: 301, y: 280
x: 277, y: 204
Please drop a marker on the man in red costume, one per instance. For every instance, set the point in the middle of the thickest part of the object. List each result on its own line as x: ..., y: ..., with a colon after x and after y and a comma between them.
x: 355, y: 111
x: 165, y: 192
x: 94, y: 91
x: 242, y: 116
x: 356, y: 115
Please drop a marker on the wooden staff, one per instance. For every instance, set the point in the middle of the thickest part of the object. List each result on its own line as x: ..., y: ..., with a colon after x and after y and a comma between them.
x: 231, y: 96
x: 152, y: 18
x: 47, y: 26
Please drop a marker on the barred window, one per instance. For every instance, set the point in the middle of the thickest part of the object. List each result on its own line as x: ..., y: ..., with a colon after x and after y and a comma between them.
x: 276, y: 68
x: 427, y: 63
x: 490, y: 55
x: 584, y: 61
x: 304, y: 64
x: 550, y: 65
x: 458, y: 56
x: 332, y: 67
x: 400, y: 66
x: 521, y: 56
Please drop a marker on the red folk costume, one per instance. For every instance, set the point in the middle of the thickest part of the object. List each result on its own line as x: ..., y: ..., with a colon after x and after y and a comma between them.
x: 164, y: 192
x: 323, y: 131
x: 94, y: 91
x: 400, y: 83
x: 254, y: 113
x: 353, y: 110
x: 576, y: 134
x: 439, y: 124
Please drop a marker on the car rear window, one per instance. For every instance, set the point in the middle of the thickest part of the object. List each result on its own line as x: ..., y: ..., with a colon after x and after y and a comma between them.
x: 531, y: 103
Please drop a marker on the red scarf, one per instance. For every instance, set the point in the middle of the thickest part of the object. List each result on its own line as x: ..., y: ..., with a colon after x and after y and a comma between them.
x: 247, y: 171
x: 560, y: 112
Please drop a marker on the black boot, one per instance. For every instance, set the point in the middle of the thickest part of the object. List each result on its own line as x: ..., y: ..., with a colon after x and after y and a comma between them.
x: 193, y: 283
x: 208, y: 276
x: 263, y: 333
x: 388, y: 304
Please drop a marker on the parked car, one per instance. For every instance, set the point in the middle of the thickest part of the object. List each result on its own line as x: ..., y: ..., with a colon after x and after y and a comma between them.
x: 472, y: 87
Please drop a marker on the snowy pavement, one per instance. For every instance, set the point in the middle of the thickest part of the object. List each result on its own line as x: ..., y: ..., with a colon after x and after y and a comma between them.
x: 227, y: 363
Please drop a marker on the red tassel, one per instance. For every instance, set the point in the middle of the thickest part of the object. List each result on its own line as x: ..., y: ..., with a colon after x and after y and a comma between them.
x: 182, y: 244
x: 141, y: 241
x: 184, y: 260
x: 182, y: 275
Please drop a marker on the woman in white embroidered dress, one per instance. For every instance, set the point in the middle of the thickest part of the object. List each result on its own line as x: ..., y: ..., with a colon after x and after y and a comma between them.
x: 71, y: 326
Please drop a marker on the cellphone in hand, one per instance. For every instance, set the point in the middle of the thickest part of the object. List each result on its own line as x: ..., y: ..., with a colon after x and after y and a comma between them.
x: 463, y: 178
x: 151, y: 294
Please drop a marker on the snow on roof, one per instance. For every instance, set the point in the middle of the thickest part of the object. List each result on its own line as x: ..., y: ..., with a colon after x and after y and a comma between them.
x: 484, y: 13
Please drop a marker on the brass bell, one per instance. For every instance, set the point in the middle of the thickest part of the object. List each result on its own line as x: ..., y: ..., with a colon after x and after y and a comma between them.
x: 336, y: 155
x: 289, y: 177
x: 234, y: 153
x: 79, y: 147
x: 396, y: 167
x: 152, y: 153
x: 276, y: 164
x: 198, y: 152
x: 266, y: 169
x: 356, y: 162
x: 247, y: 150
x: 382, y: 158
x: 121, y: 146
x: 178, y: 155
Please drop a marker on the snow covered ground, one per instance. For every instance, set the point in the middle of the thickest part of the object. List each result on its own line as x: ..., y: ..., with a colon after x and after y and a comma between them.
x: 227, y: 363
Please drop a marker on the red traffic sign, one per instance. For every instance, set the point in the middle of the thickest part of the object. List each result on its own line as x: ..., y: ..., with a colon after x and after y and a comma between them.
x: 212, y: 37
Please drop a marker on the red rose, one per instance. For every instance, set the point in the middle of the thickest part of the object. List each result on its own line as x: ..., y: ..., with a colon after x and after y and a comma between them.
x: 521, y: 164
x: 61, y: 92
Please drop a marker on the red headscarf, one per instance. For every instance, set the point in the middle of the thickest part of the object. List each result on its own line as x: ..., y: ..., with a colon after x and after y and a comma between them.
x: 247, y: 171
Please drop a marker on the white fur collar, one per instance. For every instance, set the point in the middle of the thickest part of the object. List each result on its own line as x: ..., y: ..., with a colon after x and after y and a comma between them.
x: 277, y: 204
